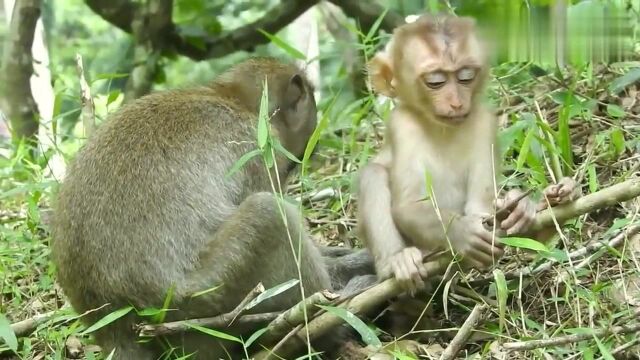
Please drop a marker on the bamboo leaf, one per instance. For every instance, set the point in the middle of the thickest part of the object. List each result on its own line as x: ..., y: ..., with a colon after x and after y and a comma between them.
x: 368, y: 336
x: 108, y: 320
x: 274, y: 291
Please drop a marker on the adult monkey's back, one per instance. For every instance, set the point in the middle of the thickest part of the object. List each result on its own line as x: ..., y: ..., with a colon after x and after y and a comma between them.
x: 146, y: 206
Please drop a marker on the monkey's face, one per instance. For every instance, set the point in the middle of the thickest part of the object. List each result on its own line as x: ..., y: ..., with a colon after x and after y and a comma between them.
x: 433, y: 66
x: 449, y: 93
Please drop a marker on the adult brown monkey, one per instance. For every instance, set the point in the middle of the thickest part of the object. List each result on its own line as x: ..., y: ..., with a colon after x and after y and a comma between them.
x: 146, y: 207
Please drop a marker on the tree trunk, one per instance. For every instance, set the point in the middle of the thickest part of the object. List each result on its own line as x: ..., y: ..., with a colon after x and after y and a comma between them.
x: 16, y: 100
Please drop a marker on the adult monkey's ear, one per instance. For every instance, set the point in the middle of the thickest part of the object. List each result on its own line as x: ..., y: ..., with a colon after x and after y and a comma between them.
x: 380, y: 75
x: 295, y: 90
x: 296, y: 100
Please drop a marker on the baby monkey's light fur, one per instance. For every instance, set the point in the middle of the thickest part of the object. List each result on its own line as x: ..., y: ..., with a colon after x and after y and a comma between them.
x: 435, y: 69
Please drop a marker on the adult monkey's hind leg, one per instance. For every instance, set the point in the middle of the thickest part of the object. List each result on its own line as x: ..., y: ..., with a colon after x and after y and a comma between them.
x: 253, y: 245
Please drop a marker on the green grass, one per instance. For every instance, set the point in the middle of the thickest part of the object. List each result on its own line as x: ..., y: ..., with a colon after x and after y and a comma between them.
x: 580, y: 122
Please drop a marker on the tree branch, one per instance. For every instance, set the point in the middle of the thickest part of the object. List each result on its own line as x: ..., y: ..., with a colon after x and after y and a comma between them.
x: 367, y: 12
x: 121, y: 13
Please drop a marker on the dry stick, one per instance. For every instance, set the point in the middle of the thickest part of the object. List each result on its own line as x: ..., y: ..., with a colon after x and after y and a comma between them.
x: 460, y: 340
x: 88, y: 108
x: 370, y: 299
x: 259, y: 289
x: 220, y: 321
x: 570, y: 339
x: 223, y: 320
x: 361, y: 303
x: 27, y: 326
x: 612, y: 195
x: 289, y: 319
x: 585, y: 250
x: 279, y: 322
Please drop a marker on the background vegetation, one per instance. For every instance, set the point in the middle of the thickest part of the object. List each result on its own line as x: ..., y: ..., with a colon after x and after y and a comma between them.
x: 576, y: 117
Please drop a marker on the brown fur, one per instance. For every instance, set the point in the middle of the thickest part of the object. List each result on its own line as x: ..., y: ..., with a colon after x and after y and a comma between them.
x: 147, y: 207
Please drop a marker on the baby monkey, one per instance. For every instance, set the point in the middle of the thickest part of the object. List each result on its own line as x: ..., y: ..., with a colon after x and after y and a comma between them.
x: 442, y: 133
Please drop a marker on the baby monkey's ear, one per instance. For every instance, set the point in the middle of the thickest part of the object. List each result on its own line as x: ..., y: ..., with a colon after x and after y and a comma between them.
x: 380, y: 75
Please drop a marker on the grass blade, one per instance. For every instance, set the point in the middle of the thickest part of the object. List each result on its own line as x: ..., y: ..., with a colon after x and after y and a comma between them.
x: 368, y: 336
x: 269, y: 293
x: 108, y: 320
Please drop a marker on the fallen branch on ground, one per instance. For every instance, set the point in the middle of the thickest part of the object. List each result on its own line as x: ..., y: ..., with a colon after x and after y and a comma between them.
x: 361, y: 303
x: 460, y: 340
x: 224, y: 320
x: 220, y: 321
x: 609, y: 196
x: 27, y: 326
x: 373, y: 297
x: 279, y: 322
x: 590, y: 249
x: 570, y: 339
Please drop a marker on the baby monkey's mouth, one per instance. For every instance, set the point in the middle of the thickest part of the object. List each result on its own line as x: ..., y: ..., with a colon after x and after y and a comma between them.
x: 453, y: 119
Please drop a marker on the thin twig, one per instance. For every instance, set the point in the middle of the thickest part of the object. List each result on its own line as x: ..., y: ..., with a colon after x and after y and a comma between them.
x: 223, y: 320
x: 259, y: 289
x: 27, y: 326
x: 220, y: 321
x: 293, y: 317
x: 585, y: 250
x: 88, y: 115
x: 460, y: 340
x: 570, y: 339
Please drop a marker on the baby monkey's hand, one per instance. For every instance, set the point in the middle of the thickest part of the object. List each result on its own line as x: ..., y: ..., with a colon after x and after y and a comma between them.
x: 564, y: 191
x: 407, y: 268
x: 518, y: 216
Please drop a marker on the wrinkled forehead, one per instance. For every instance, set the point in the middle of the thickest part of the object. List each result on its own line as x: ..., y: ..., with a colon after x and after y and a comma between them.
x: 424, y: 49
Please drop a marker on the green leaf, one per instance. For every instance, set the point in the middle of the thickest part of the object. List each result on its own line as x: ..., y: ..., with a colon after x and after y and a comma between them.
x: 524, y: 243
x: 113, y: 96
x: 524, y: 149
x: 148, y: 312
x: 615, y: 111
x: 206, y: 291
x: 376, y: 25
x: 284, y: 46
x: 108, y: 320
x: 368, y: 336
x: 625, y: 80
x: 243, y: 160
x: 617, y: 139
x: 593, y: 178
x: 214, y: 333
x: 159, y: 318
x: 605, y: 351
x: 109, y: 76
x: 399, y: 356
x: 263, y: 117
x: 111, y: 354
x: 269, y: 293
x: 6, y: 333
x: 502, y: 293
x: 278, y: 146
x: 255, y: 337
x: 315, y: 137
x: 267, y: 156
